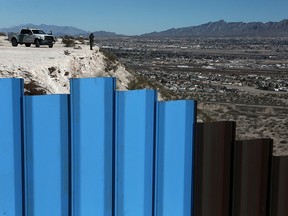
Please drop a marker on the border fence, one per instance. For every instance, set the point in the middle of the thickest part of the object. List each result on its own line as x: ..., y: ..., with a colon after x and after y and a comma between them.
x: 98, y: 151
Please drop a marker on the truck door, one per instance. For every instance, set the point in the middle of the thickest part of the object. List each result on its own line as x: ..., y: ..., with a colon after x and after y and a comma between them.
x: 26, y: 36
x: 21, y: 36
x: 29, y: 36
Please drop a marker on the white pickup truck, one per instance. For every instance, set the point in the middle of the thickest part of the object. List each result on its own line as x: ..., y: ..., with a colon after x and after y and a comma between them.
x: 32, y: 36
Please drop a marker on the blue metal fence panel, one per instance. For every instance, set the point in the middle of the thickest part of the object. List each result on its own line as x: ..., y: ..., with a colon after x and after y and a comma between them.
x: 46, y: 152
x: 92, y: 122
x: 135, y: 121
x: 174, y: 158
x: 11, y: 140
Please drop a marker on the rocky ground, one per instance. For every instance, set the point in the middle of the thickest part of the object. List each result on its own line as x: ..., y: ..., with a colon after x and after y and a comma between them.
x: 48, y: 70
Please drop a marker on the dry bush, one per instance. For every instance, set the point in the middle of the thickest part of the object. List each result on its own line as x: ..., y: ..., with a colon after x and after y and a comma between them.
x: 68, y: 41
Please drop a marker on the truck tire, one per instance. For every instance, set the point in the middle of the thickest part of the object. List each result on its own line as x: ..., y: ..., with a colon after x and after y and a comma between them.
x: 37, y: 43
x: 27, y: 44
x: 51, y: 46
x: 14, y: 42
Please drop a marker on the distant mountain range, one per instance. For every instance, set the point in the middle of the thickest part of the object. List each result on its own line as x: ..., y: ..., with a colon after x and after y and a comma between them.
x: 211, y: 29
x: 59, y: 30
x: 227, y: 29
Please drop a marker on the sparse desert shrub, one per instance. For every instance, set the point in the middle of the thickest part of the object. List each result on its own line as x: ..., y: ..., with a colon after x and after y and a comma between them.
x: 68, y: 41
x: 52, y: 69
x: 67, y: 52
x: 110, y: 60
x: 52, y: 72
x: 109, y: 55
x: 140, y: 82
x: 33, y: 88
x: 111, y: 66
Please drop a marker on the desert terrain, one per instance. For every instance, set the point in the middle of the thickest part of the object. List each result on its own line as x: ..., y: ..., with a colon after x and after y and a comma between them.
x: 235, y: 79
x: 243, y: 80
x: 48, y: 70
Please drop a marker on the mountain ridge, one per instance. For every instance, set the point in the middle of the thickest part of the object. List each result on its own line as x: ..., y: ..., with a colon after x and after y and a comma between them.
x: 219, y: 28
x: 59, y: 30
x: 222, y: 28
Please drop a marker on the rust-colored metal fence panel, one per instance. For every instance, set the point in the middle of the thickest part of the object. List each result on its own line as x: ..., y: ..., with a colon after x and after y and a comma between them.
x: 213, y: 159
x: 252, y: 167
x: 279, y: 189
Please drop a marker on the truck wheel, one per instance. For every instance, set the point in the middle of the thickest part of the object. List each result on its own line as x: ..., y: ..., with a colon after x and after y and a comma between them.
x: 14, y: 42
x: 51, y: 46
x: 37, y: 43
x: 27, y: 45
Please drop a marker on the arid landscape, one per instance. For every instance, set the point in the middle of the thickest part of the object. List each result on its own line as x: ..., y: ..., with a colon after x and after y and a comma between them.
x: 236, y: 79
x: 48, y: 70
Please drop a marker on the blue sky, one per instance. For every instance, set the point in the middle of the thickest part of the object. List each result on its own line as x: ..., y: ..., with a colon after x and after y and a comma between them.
x: 137, y: 17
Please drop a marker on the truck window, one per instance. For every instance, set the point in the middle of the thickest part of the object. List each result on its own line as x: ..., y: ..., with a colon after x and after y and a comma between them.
x: 38, y: 32
x: 25, y: 31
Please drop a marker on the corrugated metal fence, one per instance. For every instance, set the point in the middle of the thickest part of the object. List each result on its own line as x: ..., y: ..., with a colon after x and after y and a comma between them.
x: 103, y: 152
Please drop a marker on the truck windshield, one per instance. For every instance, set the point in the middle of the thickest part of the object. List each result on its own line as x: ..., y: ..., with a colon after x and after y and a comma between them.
x: 38, y: 32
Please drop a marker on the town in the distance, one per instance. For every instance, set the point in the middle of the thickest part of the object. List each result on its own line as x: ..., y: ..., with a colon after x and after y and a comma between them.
x: 234, y: 75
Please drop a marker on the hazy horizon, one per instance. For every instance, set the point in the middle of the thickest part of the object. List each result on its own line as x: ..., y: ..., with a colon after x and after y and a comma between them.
x: 134, y: 18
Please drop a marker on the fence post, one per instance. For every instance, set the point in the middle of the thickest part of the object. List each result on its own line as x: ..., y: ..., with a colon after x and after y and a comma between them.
x: 135, y: 127
x: 252, y: 170
x: 46, y: 155
x: 174, y: 158
x: 11, y: 144
x: 279, y: 189
x: 92, y: 123
x: 213, y: 164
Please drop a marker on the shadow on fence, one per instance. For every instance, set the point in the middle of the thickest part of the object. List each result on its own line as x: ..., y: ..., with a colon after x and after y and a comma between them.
x: 102, y: 152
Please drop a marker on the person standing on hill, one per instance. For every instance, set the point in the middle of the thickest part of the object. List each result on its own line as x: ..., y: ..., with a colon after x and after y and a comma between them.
x: 91, y: 40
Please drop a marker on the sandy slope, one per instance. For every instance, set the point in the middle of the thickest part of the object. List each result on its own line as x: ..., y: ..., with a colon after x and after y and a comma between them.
x: 50, y: 68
